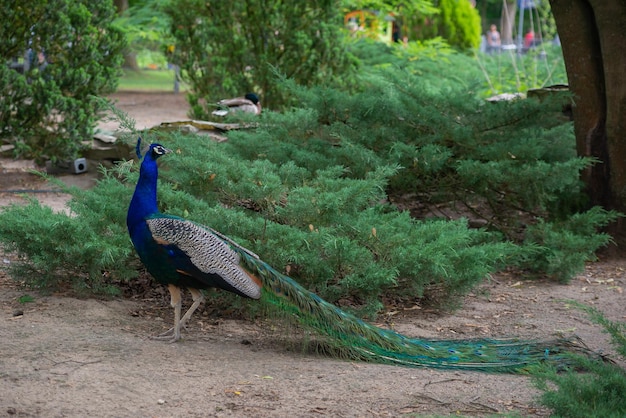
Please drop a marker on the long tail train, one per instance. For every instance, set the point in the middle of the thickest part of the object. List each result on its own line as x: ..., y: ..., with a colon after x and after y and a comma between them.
x: 357, y: 339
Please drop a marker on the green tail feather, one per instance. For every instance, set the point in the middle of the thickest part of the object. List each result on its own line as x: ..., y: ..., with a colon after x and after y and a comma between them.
x: 358, y: 340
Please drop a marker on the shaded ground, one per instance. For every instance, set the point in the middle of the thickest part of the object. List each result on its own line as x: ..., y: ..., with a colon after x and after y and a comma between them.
x: 69, y: 357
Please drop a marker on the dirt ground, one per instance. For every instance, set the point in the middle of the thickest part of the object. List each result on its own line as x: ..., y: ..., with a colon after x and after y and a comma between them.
x: 62, y: 356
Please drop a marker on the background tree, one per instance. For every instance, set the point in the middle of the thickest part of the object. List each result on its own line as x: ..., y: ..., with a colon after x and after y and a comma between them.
x: 410, y: 17
x: 230, y: 48
x: 508, y: 21
x: 593, y: 35
x: 71, y: 52
x: 458, y: 23
x: 145, y: 26
x: 130, y: 56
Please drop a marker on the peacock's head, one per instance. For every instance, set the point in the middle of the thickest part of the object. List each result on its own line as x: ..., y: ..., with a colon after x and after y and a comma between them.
x: 156, y: 150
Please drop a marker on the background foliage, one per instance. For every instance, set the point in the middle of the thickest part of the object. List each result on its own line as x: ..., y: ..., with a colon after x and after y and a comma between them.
x: 495, y: 184
x: 315, y: 190
x: 145, y: 26
x: 459, y: 23
x: 226, y: 49
x: 47, y: 111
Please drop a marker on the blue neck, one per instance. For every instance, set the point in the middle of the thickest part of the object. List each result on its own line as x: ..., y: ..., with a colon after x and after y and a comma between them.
x: 144, y: 202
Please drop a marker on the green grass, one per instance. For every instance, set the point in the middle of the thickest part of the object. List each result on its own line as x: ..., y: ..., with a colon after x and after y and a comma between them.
x: 149, y: 80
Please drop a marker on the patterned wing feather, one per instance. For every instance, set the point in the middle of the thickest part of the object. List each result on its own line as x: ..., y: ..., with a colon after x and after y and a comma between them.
x: 208, y: 252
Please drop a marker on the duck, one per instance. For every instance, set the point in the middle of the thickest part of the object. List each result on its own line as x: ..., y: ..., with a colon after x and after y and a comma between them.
x: 249, y: 103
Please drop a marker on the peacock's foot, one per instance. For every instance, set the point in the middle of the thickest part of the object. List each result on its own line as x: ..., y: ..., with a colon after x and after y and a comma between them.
x: 170, y: 336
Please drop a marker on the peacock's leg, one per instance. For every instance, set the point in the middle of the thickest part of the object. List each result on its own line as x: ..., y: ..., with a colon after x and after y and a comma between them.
x: 173, y: 334
x: 198, y: 298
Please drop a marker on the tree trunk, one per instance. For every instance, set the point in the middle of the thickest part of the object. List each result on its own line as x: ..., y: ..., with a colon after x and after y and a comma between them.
x: 507, y: 22
x: 130, y: 61
x: 121, y: 6
x: 593, y: 35
x: 130, y: 58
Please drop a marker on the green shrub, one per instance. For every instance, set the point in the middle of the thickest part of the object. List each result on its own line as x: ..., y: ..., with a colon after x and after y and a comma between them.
x: 512, y: 165
x: 336, y: 233
x: 47, y: 111
x: 560, y: 249
x: 227, y: 49
x: 310, y: 190
x: 599, y: 390
x: 88, y: 249
x: 459, y: 23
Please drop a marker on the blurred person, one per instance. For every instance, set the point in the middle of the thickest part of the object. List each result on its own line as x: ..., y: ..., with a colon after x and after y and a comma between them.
x: 493, y: 40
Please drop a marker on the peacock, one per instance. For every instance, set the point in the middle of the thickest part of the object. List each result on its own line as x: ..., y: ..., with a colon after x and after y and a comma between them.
x: 182, y: 254
x: 249, y: 103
